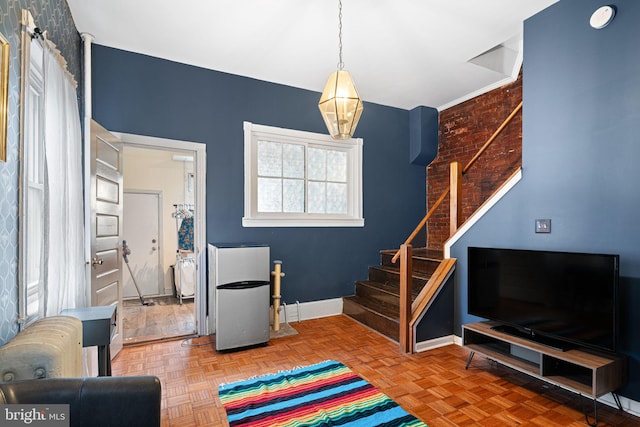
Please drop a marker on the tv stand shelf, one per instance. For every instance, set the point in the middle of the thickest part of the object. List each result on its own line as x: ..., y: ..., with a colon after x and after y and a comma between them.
x: 584, y: 372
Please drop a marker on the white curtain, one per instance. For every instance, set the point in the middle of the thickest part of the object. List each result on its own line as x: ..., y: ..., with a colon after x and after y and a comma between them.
x: 64, y: 240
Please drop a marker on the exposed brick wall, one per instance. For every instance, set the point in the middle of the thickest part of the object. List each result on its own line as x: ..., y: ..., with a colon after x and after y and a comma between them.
x: 463, y: 130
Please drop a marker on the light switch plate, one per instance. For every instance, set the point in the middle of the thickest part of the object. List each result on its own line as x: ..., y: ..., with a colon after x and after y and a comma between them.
x: 543, y: 226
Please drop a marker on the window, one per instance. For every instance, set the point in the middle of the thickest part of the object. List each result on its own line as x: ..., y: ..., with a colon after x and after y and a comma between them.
x: 51, y: 255
x: 295, y: 178
x: 33, y: 181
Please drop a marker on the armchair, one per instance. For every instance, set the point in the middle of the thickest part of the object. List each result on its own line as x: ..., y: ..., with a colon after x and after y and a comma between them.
x: 93, y: 401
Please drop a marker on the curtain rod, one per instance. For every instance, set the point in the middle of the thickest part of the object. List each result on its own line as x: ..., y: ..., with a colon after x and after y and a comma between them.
x: 36, y: 33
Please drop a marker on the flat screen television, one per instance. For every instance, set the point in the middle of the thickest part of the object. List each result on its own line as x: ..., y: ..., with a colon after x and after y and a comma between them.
x: 562, y: 299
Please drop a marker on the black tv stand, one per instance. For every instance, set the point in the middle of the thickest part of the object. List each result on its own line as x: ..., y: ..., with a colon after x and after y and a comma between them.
x: 555, y: 344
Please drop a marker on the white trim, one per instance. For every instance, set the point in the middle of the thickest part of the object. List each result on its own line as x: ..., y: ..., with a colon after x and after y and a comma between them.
x: 457, y: 340
x: 486, y: 206
x: 475, y: 93
x: 87, y: 39
x: 507, y: 80
x: 160, y: 143
x: 200, y: 156
x: 434, y: 343
x: 298, y: 312
x: 353, y: 149
x: 628, y: 405
x: 517, y: 65
x: 301, y: 222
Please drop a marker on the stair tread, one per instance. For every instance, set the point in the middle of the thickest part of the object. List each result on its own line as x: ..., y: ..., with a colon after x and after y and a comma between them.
x: 376, y: 303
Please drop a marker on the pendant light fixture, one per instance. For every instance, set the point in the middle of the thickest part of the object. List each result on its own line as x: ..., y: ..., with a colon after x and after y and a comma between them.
x: 340, y: 105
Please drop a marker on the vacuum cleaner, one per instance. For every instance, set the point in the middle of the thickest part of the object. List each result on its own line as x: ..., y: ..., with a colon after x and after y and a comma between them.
x: 125, y: 255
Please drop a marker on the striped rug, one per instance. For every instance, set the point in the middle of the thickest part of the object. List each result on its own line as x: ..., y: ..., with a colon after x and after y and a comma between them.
x: 325, y: 394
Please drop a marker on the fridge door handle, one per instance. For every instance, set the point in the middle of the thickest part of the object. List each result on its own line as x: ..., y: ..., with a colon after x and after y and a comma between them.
x: 245, y: 284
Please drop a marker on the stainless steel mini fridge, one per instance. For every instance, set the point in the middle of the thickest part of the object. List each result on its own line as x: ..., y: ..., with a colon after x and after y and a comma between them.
x: 241, y: 281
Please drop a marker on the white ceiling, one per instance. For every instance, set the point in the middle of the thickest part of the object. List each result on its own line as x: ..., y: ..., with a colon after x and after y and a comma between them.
x: 401, y: 53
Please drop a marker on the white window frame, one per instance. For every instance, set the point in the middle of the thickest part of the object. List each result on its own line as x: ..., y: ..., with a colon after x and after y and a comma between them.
x: 32, y: 197
x: 353, y: 147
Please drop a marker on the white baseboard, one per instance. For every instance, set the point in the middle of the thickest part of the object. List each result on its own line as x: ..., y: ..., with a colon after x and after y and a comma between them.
x: 298, y: 312
x: 628, y: 405
x: 434, y: 343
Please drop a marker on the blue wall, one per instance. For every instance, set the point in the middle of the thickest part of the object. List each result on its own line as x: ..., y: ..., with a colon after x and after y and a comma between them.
x: 54, y: 17
x: 139, y: 94
x: 580, y: 152
x: 423, y: 138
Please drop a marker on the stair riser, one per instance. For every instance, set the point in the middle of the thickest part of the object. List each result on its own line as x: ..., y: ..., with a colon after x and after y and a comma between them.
x: 378, y: 275
x: 421, y: 265
x: 376, y: 301
x: 378, y: 295
x: 373, y: 320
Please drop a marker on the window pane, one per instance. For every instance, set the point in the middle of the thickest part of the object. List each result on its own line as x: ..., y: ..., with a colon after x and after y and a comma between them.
x: 269, y: 195
x: 336, y: 198
x: 34, y: 260
x: 293, y: 195
x: 336, y: 166
x: 292, y: 161
x: 317, y: 197
x: 317, y: 164
x: 269, y: 158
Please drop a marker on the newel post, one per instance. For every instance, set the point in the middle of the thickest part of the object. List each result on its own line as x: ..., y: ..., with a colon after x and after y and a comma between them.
x: 406, y: 268
x: 455, y: 196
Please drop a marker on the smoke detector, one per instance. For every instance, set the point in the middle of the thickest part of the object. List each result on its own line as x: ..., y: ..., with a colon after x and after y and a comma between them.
x: 602, y: 17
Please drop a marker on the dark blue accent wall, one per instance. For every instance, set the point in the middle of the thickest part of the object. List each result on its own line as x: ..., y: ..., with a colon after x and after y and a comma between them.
x: 438, y: 320
x: 580, y: 152
x: 139, y: 94
x: 423, y: 142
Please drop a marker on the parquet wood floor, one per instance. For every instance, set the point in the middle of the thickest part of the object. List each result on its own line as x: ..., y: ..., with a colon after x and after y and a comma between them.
x: 432, y: 385
x: 166, y: 318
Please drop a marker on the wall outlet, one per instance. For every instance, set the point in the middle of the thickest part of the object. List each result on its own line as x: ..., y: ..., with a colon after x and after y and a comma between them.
x: 543, y: 226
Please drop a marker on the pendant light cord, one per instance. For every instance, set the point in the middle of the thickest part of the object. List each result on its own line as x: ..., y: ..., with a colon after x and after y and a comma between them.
x: 340, y: 63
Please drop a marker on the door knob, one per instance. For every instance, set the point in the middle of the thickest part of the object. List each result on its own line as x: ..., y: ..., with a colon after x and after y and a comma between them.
x: 153, y: 240
x: 96, y: 261
x: 153, y: 248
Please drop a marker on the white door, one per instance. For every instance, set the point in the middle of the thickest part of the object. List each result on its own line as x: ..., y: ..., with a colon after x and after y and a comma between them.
x: 106, y: 159
x: 142, y: 232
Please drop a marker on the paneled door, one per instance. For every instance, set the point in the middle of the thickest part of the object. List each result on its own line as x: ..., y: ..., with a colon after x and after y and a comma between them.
x: 106, y: 225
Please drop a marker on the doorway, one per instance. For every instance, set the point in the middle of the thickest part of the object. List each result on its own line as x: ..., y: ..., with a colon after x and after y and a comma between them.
x: 160, y: 175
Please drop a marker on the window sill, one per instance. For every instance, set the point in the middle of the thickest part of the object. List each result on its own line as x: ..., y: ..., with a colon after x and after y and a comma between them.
x: 302, y: 222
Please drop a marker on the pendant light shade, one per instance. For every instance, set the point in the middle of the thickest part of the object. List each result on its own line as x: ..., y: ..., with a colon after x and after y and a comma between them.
x: 340, y: 105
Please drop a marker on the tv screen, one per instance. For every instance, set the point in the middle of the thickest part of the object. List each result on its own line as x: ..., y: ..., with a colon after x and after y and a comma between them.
x: 563, y: 295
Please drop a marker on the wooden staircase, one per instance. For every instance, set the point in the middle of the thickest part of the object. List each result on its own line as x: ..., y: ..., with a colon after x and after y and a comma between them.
x: 376, y: 302
x: 401, y: 289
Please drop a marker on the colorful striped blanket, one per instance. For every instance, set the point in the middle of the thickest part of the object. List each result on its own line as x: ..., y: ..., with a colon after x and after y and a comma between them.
x: 324, y: 394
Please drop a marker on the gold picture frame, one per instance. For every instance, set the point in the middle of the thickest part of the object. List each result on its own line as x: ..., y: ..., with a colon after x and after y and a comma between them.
x: 4, y: 95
